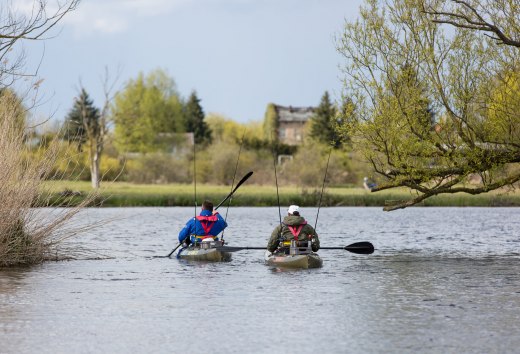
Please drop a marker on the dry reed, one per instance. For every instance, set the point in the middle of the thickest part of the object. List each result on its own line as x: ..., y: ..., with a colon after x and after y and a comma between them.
x: 28, y: 235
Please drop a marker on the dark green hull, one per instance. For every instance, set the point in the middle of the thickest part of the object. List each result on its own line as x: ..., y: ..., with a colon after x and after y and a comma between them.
x: 302, y: 261
x: 208, y: 255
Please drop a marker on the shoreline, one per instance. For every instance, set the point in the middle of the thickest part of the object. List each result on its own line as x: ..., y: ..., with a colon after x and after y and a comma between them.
x: 122, y: 194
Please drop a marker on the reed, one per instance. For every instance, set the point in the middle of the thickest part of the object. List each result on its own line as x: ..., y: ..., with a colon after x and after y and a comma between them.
x: 28, y: 235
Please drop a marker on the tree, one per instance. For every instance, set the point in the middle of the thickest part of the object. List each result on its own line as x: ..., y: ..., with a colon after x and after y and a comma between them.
x: 194, y: 118
x: 87, y: 125
x: 82, y: 114
x: 271, y: 124
x: 17, y: 28
x: 323, y: 122
x: 497, y: 18
x: 146, y: 108
x: 422, y: 95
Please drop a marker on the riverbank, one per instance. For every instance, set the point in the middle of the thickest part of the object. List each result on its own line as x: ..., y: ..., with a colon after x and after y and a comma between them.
x: 122, y: 194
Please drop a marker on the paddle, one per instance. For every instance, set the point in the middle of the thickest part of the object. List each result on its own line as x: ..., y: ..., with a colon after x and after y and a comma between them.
x: 363, y: 247
x: 249, y: 174
x: 235, y: 189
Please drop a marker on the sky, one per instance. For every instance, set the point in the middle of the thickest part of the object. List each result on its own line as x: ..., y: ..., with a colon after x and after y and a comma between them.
x: 238, y: 55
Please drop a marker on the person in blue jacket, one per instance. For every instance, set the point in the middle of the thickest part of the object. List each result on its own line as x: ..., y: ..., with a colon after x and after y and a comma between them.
x: 207, y: 225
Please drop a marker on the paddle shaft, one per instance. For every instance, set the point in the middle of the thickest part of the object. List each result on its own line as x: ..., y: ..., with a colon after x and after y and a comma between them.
x: 173, y: 250
x: 235, y: 189
x: 358, y: 247
x: 222, y: 202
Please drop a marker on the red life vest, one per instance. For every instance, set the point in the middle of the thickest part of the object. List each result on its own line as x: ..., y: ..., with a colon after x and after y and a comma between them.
x: 207, y: 223
x: 295, y: 230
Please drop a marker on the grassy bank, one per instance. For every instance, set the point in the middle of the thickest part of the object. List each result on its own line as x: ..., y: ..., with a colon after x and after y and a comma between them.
x: 120, y: 194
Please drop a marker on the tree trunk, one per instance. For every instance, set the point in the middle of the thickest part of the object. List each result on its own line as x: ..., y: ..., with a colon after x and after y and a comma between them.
x: 94, y: 168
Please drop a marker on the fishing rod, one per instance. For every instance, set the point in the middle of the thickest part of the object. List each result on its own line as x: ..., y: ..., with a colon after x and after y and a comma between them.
x: 276, y: 181
x: 245, y: 178
x: 322, y: 188
x: 234, y: 176
x: 194, y: 192
x: 194, y: 175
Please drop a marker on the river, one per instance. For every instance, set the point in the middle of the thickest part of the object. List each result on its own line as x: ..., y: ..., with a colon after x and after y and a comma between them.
x: 442, y: 280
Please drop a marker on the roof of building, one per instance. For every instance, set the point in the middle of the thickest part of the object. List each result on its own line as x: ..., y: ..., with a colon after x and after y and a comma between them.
x: 294, y: 114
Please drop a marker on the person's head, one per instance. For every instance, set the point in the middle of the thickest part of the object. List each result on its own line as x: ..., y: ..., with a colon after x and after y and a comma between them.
x: 294, y: 210
x: 207, y: 205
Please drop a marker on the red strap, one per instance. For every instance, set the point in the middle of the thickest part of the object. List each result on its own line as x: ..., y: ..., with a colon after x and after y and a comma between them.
x: 295, y: 231
x: 207, y: 225
x: 207, y: 222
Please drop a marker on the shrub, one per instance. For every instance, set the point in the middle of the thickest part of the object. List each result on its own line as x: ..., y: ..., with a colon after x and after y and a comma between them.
x: 27, y: 235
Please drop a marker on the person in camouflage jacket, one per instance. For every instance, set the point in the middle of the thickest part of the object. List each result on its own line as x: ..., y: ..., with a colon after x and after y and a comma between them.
x: 293, y: 227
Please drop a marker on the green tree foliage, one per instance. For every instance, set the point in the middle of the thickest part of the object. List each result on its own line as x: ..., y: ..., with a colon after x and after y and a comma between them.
x: 145, y: 109
x: 270, y: 124
x: 194, y: 120
x: 82, y: 114
x: 421, y: 96
x: 324, y: 121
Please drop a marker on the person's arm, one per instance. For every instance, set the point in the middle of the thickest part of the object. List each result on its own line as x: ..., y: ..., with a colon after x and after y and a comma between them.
x: 274, y: 241
x: 186, y: 231
x: 220, y: 220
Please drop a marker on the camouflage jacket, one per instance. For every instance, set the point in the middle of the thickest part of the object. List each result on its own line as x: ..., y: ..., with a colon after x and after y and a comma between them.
x: 283, y: 233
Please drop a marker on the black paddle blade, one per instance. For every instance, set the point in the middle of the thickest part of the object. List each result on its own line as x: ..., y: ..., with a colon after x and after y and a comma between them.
x: 235, y: 189
x: 363, y: 247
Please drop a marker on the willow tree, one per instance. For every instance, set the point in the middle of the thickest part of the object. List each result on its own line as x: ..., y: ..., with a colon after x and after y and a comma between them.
x: 433, y: 101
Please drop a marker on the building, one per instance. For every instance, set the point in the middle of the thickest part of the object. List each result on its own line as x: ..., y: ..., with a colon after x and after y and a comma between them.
x: 291, y: 123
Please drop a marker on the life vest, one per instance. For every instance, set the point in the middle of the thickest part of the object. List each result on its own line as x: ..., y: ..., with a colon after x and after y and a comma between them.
x: 207, y: 223
x: 295, y: 231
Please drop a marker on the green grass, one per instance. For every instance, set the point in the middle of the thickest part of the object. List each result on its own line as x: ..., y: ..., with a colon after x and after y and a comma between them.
x: 121, y: 194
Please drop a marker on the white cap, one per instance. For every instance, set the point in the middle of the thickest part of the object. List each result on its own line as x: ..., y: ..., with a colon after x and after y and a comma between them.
x: 293, y: 208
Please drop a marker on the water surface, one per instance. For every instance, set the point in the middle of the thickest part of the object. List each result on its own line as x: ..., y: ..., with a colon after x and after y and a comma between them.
x: 441, y: 280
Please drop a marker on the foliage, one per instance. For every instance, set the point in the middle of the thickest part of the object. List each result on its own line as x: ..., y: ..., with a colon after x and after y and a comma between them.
x: 83, y: 113
x: 323, y: 122
x: 26, y: 236
x: 118, y: 194
x: 497, y: 19
x: 194, y: 120
x: 309, y: 163
x: 225, y: 130
x: 402, y: 70
x: 270, y: 124
x: 147, y: 107
x: 157, y: 168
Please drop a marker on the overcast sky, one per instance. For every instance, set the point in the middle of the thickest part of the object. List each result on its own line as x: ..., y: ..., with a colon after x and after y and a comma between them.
x: 238, y: 55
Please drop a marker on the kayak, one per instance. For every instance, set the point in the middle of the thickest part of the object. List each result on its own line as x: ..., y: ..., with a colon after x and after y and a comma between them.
x: 206, y: 251
x: 303, y: 261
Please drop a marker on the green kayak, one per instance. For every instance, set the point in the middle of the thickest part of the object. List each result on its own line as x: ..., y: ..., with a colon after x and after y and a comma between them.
x: 303, y: 261
x: 298, y: 254
x: 206, y: 251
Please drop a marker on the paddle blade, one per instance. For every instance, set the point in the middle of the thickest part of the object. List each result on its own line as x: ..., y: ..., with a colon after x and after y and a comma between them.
x: 363, y: 247
x: 235, y: 189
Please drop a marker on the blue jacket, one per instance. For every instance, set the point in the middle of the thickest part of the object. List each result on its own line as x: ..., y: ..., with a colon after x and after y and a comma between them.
x: 194, y: 227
